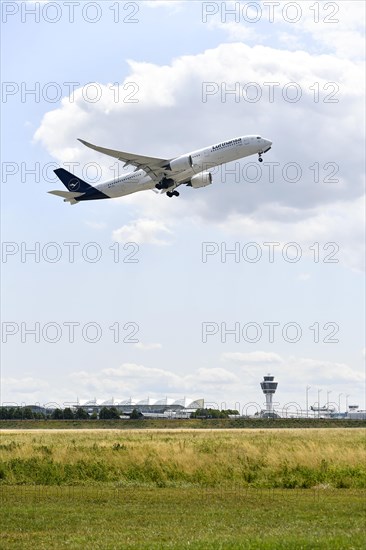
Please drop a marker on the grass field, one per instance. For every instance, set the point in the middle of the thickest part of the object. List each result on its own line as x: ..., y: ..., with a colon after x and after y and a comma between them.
x: 143, y: 518
x: 189, y: 423
x: 227, y: 489
x: 248, y: 458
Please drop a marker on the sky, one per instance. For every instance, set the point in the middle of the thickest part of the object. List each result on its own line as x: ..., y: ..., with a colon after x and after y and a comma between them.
x: 201, y: 295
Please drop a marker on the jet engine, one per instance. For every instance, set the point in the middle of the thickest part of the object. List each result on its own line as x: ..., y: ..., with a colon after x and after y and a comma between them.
x: 181, y: 163
x: 201, y: 180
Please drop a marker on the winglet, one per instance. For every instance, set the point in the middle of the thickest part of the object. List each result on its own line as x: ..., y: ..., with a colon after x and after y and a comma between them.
x: 85, y: 143
x: 97, y: 148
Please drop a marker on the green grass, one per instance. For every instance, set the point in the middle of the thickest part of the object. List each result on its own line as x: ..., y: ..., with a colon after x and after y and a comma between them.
x: 201, y: 519
x: 194, y: 423
x: 217, y: 489
x: 281, y: 458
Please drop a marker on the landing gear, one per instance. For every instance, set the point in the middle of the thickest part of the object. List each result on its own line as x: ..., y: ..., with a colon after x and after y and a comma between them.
x: 260, y: 157
x: 172, y: 194
x: 164, y: 183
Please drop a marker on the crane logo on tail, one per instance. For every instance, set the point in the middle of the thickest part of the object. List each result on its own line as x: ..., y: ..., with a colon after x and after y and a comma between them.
x: 74, y: 185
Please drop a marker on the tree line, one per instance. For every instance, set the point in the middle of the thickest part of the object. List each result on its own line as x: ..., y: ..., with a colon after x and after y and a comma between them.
x: 213, y: 413
x: 105, y: 413
x: 26, y: 413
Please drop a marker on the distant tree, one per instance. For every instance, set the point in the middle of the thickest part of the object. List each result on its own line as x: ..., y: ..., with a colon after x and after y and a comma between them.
x: 212, y: 413
x: 17, y: 413
x: 27, y: 413
x: 68, y: 414
x: 136, y: 415
x: 57, y: 414
x: 40, y: 416
x: 81, y: 414
x: 6, y: 413
x: 103, y: 413
x: 93, y: 416
x: 110, y: 413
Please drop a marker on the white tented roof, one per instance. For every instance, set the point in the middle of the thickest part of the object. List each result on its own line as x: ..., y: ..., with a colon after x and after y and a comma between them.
x: 92, y: 403
x: 185, y: 402
x: 164, y: 401
x: 128, y: 401
x: 147, y: 401
x: 108, y: 403
x: 189, y: 403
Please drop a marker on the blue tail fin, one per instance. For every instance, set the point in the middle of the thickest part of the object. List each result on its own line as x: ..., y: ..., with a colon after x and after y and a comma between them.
x: 72, y: 182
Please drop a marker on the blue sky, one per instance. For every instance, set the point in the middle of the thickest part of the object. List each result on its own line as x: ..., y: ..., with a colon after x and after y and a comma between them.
x: 167, y: 57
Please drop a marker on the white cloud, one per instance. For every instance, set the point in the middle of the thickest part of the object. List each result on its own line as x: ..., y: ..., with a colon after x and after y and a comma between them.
x: 296, y: 371
x: 321, y: 224
x: 133, y: 379
x: 179, y: 87
x: 239, y: 379
x: 325, y: 372
x: 212, y: 377
x: 141, y: 345
x: 304, y: 133
x: 333, y: 27
x: 238, y: 32
x: 256, y: 357
x: 24, y: 385
x: 143, y: 231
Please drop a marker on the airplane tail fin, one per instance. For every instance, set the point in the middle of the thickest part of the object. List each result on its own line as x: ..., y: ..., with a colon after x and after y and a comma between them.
x: 72, y: 182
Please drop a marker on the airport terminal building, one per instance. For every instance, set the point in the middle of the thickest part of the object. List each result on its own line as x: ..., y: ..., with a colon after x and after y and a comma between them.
x: 163, y: 407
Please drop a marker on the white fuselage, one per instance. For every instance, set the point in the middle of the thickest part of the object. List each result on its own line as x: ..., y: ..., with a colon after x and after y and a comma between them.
x: 202, y: 160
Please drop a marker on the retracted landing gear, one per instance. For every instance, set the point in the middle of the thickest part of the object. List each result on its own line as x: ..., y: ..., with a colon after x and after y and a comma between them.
x: 172, y: 194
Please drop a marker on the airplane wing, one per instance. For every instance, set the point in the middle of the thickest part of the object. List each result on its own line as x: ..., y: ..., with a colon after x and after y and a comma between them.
x: 151, y: 165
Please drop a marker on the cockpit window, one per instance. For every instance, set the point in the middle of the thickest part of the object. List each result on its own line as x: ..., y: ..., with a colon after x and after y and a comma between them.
x: 258, y: 137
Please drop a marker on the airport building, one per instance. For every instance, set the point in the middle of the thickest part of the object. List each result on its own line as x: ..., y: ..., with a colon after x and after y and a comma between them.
x: 163, y: 407
x: 166, y: 407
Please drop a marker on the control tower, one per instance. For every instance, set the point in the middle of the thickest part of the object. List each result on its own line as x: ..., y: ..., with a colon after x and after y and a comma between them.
x: 268, y: 388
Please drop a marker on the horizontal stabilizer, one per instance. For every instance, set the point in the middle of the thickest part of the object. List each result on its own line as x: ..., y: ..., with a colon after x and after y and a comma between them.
x: 68, y: 196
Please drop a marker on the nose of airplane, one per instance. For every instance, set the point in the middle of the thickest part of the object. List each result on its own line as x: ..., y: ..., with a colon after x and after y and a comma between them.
x: 268, y: 142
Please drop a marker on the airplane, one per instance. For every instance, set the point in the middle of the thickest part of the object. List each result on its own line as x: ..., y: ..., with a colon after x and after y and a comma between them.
x: 160, y: 175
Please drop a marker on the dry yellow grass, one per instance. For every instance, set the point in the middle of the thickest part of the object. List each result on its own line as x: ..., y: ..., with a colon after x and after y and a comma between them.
x: 284, y: 457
